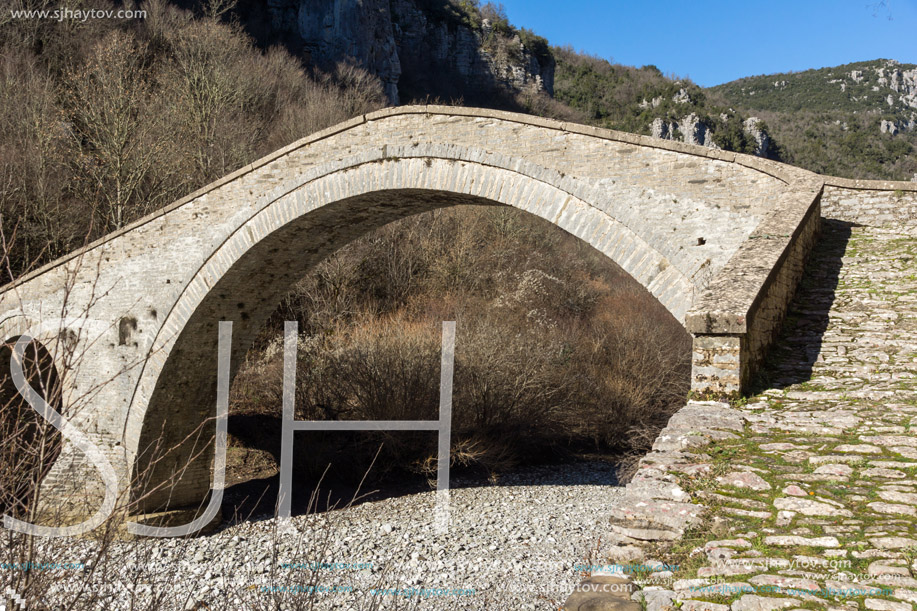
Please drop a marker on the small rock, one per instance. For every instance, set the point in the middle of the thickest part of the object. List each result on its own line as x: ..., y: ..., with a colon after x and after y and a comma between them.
x: 592, y: 601
x: 741, y: 479
x: 883, y: 473
x: 880, y: 567
x: 646, y: 534
x: 839, y: 470
x: 702, y: 605
x: 728, y: 543
x: 785, y: 585
x: 898, y: 497
x: 860, y: 448
x: 878, y: 604
x: 809, y: 507
x: 785, y: 518
x: 790, y: 540
x: 752, y: 602
x: 893, y: 542
x: 894, y: 508
x: 656, y: 600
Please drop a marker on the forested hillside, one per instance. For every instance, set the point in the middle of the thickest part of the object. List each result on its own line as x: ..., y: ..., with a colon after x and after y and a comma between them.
x: 857, y: 120
x: 643, y: 101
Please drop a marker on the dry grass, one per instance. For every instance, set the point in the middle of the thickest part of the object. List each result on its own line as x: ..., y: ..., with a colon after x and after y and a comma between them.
x: 558, y: 350
x: 104, y: 121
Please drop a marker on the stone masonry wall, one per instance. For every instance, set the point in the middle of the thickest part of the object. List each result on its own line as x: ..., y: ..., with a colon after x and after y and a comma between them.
x: 728, y: 347
x: 804, y: 495
x: 723, y: 364
x: 735, y: 320
x: 882, y: 202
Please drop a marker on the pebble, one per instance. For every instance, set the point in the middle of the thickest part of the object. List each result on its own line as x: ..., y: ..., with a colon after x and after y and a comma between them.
x: 516, y: 545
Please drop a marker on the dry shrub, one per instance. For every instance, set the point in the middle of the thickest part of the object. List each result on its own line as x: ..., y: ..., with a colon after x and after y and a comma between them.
x: 32, y: 164
x: 104, y: 121
x: 120, y: 157
x: 536, y: 102
x: 548, y: 363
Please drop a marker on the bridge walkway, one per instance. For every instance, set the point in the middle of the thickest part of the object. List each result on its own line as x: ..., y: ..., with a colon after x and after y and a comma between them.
x: 810, y: 486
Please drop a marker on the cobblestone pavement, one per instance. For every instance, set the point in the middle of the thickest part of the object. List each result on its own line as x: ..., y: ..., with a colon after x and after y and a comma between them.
x: 805, y: 494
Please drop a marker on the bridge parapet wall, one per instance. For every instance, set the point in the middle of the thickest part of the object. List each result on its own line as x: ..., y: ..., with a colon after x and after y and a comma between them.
x: 735, y: 320
x: 738, y: 316
x: 871, y: 202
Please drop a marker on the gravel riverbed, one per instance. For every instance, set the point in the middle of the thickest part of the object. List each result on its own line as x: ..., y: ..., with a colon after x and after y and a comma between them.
x: 519, y: 544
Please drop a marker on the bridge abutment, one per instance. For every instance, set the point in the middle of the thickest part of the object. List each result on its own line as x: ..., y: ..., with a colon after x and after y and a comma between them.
x: 740, y: 313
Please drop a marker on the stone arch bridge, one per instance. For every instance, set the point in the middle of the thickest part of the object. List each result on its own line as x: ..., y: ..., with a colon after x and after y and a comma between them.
x: 719, y: 238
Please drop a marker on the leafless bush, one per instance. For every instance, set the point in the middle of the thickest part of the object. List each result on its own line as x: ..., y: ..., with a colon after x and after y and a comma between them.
x: 538, y: 102
x: 579, y: 358
x: 119, y: 154
x: 104, y: 121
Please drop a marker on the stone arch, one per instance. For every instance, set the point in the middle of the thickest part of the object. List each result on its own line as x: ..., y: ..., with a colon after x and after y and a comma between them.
x: 298, y: 224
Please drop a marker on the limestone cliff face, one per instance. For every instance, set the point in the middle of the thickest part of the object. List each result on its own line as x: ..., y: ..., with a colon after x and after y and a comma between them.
x: 883, y: 88
x: 410, y: 46
x: 332, y: 30
x: 902, y: 82
x: 690, y: 130
x: 752, y: 126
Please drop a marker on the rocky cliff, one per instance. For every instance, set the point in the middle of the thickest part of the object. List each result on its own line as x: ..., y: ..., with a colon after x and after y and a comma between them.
x: 857, y: 120
x: 416, y: 47
x: 884, y: 88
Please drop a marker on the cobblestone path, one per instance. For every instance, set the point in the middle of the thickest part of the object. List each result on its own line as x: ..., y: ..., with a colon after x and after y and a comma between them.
x: 810, y: 485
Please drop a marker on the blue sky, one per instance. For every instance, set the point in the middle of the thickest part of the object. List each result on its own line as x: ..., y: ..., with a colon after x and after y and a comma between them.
x: 713, y: 42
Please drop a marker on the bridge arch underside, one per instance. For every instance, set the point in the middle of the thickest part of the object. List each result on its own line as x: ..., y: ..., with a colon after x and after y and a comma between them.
x: 249, y: 274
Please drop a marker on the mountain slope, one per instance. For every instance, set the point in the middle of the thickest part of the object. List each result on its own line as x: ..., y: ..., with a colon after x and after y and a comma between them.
x: 883, y: 86
x: 643, y: 101
x: 857, y: 120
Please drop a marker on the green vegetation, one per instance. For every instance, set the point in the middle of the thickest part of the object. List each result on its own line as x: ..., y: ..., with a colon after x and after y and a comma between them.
x: 610, y: 94
x: 630, y: 99
x: 812, y: 122
x: 839, y: 144
x: 457, y: 12
x: 829, y: 122
x: 472, y: 14
x: 537, y: 45
x: 816, y: 90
